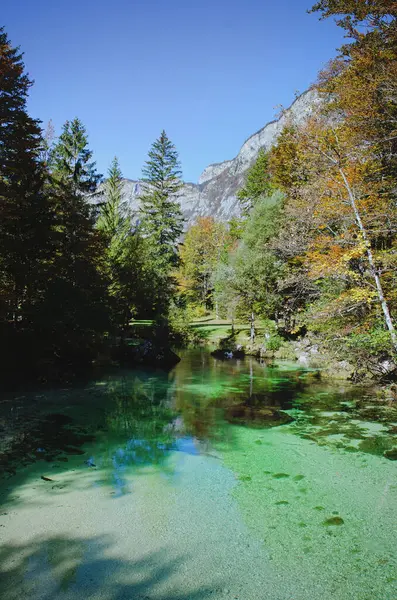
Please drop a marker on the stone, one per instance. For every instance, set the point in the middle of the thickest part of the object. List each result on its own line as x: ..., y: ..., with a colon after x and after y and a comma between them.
x: 333, y: 521
x: 391, y: 454
x: 257, y: 416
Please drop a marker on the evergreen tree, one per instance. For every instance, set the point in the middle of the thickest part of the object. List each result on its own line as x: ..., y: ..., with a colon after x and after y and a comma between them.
x: 113, y: 218
x: 122, y: 248
x: 71, y: 162
x: 25, y: 210
x: 257, y: 183
x: 47, y: 145
x: 74, y: 312
x: 162, y: 220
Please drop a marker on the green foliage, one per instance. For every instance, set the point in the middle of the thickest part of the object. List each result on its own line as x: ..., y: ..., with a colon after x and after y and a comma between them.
x: 354, y: 12
x: 113, y: 217
x: 257, y: 269
x: 161, y: 221
x: 236, y: 228
x: 274, y: 343
x: 26, y: 212
x: 161, y: 215
x: 181, y: 331
x: 71, y: 162
x: 370, y: 352
x: 374, y: 342
x: 247, y: 282
x: 122, y: 248
x: 53, y: 307
x: 225, y: 292
x: 257, y: 183
x: 287, y: 165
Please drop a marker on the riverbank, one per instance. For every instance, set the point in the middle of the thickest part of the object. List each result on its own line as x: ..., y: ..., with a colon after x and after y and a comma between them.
x: 308, y: 351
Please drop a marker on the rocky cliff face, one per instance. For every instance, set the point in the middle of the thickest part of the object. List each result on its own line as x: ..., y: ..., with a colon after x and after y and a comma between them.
x: 215, y: 193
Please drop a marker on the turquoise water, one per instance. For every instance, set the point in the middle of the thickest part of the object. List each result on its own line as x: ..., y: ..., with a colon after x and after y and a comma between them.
x: 152, y: 485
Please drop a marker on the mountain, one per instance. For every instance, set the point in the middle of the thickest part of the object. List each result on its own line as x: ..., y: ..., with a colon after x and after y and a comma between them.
x: 215, y: 193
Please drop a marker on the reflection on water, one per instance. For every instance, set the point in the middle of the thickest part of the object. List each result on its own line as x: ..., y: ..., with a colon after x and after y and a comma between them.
x: 160, y: 459
x: 137, y: 418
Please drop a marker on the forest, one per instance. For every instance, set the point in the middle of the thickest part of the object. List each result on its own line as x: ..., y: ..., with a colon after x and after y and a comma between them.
x: 198, y: 409
x: 313, y: 253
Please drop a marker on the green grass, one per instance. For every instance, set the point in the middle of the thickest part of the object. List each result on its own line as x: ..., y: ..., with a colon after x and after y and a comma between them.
x: 213, y: 330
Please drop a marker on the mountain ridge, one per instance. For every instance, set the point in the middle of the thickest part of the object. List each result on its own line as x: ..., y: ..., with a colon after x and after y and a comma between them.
x: 215, y: 192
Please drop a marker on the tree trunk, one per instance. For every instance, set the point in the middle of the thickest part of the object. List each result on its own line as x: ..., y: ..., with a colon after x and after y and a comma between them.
x: 252, y: 329
x: 371, y: 261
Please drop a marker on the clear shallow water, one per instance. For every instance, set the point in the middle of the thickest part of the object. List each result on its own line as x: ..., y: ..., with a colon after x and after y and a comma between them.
x: 155, y: 494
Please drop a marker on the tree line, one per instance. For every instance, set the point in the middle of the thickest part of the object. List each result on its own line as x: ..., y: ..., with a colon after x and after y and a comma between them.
x: 314, y: 249
x: 316, y: 246
x: 72, y: 272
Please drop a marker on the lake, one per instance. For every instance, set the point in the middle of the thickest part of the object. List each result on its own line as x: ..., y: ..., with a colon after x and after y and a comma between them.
x: 182, y: 485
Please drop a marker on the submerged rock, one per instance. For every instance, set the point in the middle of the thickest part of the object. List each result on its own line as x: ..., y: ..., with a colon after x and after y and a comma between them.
x: 333, y: 521
x: 391, y: 454
x: 147, y: 352
x: 257, y: 416
x: 227, y: 354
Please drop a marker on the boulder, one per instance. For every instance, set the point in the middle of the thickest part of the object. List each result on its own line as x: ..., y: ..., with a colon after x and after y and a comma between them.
x: 257, y: 416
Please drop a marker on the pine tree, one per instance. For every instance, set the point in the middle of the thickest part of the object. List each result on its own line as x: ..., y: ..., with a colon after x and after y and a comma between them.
x: 71, y: 162
x: 121, y: 247
x: 113, y: 217
x: 257, y: 183
x: 162, y: 220
x: 47, y: 145
x: 25, y: 210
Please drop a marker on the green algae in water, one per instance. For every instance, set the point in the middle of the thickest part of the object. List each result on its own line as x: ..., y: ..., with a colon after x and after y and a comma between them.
x: 298, y: 477
x: 245, y: 478
x: 333, y: 521
x: 281, y: 503
x: 391, y: 454
x: 376, y: 445
x: 143, y: 432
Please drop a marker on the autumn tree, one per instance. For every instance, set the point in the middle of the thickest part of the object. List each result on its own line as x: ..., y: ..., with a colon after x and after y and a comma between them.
x: 354, y: 13
x: 200, y: 253
x: 350, y: 217
x: 361, y: 146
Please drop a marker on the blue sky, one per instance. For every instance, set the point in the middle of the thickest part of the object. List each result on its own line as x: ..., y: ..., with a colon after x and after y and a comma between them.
x: 210, y: 72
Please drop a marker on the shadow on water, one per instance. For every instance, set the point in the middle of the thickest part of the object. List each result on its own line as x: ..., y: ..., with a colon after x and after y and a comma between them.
x: 65, y: 567
x: 123, y: 423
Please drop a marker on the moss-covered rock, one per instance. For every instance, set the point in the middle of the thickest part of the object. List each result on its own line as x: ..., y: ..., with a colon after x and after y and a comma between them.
x: 257, y: 416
